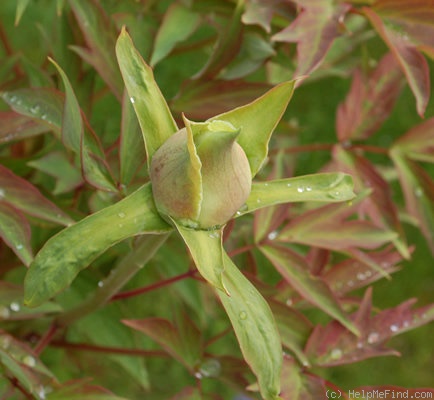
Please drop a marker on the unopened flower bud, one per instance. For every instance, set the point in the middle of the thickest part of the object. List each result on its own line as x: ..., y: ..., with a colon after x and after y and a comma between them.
x: 201, y: 181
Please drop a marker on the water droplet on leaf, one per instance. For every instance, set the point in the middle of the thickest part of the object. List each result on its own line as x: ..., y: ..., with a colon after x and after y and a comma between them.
x: 14, y: 306
x: 121, y: 215
x: 19, y: 246
x: 210, y: 368
x: 373, y: 337
x: 4, y: 312
x: 29, y: 361
x: 308, y: 189
x: 272, y: 235
x: 300, y: 189
x: 100, y: 284
x: 2, y: 193
x: 394, y: 328
x: 132, y: 99
x: 336, y: 354
x: 418, y: 192
x: 243, y: 315
x: 35, y: 109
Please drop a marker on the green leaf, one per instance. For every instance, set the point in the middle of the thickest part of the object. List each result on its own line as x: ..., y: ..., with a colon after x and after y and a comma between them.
x: 255, y: 329
x: 15, y: 127
x: 207, y: 252
x: 294, y: 270
x: 74, y: 248
x: 25, y: 197
x: 152, y: 111
x: 324, y: 187
x: 21, y: 7
x: 85, y: 144
x: 257, y: 122
x: 57, y: 165
x: 15, y: 232
x: 178, y: 24
x: 132, y: 153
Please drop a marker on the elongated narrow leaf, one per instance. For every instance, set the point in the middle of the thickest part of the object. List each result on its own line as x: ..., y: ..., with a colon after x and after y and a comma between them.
x: 257, y: 122
x: 293, y: 268
x: 178, y: 24
x: 21, y: 7
x: 314, y: 30
x: 14, y: 126
x: 207, y: 252
x: 324, y: 187
x: 81, y: 142
x: 151, y: 108
x: 132, y: 152
x: 100, y: 34
x: 255, y: 329
x: 406, y: 29
x: 15, y: 231
x: 28, y: 199
x: 74, y: 248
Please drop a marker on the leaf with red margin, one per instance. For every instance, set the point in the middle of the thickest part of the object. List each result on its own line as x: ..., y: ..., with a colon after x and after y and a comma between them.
x: 327, y: 227
x: 314, y: 30
x: 351, y: 274
x: 418, y: 188
x: 14, y: 126
x: 100, y: 35
x: 27, y: 198
x: 333, y: 345
x: 407, y: 28
x: 297, y: 385
x: 393, y: 392
x: 261, y: 12
x: 182, y: 341
x: 379, y: 205
x: 418, y: 142
x: 370, y: 100
x: 82, y: 390
x: 295, y: 270
x: 15, y: 232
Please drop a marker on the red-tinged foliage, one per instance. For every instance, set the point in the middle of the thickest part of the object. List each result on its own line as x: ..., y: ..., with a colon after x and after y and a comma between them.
x: 334, y: 345
x: 314, y: 30
x: 407, y: 28
x: 370, y: 101
x: 351, y: 274
x: 379, y: 206
x: 14, y: 127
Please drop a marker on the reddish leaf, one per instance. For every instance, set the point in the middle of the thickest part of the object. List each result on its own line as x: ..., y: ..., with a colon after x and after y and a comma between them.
x: 418, y: 143
x: 182, y: 341
x: 294, y: 270
x: 100, y: 34
x: 418, y: 189
x: 407, y: 28
x: 314, y: 30
x: 15, y: 232
x: 379, y: 205
x: 14, y: 126
x: 370, y: 100
x: 333, y: 345
x: 200, y: 100
x: 25, y: 197
x: 352, y: 274
x: 82, y: 390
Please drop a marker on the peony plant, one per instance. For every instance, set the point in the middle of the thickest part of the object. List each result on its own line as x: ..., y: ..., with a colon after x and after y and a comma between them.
x: 200, y: 178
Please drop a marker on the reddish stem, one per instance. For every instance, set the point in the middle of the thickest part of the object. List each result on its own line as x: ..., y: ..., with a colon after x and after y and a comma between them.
x: 154, y: 286
x: 370, y: 149
x: 45, y: 340
x: 306, y: 147
x: 109, y: 349
x: 240, y: 250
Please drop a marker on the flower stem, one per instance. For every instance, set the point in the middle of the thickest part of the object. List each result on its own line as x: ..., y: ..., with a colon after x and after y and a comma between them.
x: 144, y: 251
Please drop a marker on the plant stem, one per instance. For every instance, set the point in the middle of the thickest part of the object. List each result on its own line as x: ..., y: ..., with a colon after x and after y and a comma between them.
x: 144, y: 251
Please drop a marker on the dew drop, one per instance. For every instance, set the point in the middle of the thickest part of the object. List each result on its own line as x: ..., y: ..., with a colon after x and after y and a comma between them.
x: 288, y: 184
x: 359, y: 345
x: 238, y: 213
x: 265, y: 184
x: 100, y: 284
x: 394, y: 328
x: 4, y: 312
x: 2, y: 193
x: 44, y: 116
x: 198, y: 375
x: 35, y: 109
x: 336, y: 194
x: 336, y: 354
x: 14, y: 306
x: 13, y: 98
x: 308, y: 189
x: 5, y: 342
x: 361, y: 276
x: 350, y: 283
x: 368, y: 274
x: 29, y: 361
x: 406, y: 324
x: 373, y: 337
x: 210, y: 368
x: 243, y: 315
x: 121, y: 215
x: 289, y: 302
x: 300, y: 189
x: 132, y: 99
x: 214, y: 235
x: 418, y: 192
x: 42, y: 393
x: 272, y: 235
x: 19, y: 246
x: 258, y: 200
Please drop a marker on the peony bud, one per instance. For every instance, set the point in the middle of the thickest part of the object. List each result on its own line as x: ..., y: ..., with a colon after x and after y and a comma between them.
x: 200, y: 181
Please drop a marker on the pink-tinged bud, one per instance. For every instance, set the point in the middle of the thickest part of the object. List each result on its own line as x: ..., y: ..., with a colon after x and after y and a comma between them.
x: 201, y: 181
